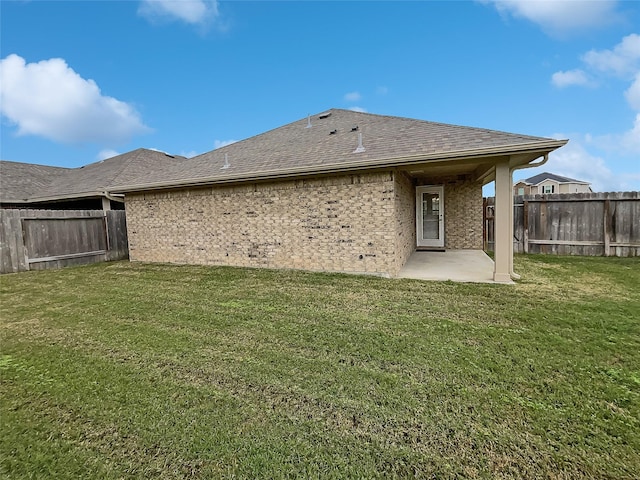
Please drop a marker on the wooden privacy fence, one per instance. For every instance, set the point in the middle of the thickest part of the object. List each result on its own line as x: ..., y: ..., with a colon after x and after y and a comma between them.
x: 590, y: 224
x: 41, y: 239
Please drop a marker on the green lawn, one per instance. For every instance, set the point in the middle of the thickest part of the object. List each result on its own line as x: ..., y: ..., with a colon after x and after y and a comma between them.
x: 153, y: 371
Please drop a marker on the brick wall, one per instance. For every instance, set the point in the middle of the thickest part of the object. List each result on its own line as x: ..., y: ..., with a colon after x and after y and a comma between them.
x: 350, y: 223
x: 344, y: 223
x: 462, y: 212
x: 405, y: 195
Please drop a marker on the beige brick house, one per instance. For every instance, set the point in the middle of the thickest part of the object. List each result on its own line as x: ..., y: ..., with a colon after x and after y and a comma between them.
x: 339, y: 191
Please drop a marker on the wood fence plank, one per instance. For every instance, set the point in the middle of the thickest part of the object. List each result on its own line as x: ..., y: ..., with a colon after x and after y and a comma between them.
x: 606, y: 225
x: 42, y: 239
x: 575, y: 224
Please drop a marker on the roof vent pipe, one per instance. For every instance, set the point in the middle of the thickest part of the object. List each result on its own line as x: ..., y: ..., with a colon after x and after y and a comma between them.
x: 226, y: 162
x: 360, y: 147
x: 308, y: 121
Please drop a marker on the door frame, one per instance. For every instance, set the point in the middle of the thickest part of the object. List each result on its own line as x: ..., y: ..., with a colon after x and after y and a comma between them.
x: 429, y: 243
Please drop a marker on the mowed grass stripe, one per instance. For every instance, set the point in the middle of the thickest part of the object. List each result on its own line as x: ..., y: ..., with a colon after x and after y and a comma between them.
x: 238, y: 373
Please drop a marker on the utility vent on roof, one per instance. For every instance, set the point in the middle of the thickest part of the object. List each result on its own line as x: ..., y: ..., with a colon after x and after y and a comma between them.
x: 226, y: 163
x: 333, y: 132
x: 360, y: 147
x: 168, y: 155
x: 325, y: 115
x: 308, y: 122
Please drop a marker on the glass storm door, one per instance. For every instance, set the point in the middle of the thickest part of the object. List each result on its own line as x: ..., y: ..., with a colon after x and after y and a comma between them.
x: 430, y: 216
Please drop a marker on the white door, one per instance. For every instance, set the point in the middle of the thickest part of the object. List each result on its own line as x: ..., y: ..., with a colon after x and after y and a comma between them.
x: 430, y: 216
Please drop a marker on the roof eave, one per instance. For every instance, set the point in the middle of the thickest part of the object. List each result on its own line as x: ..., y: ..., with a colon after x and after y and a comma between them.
x: 539, y: 148
x: 53, y: 198
x: 558, y: 182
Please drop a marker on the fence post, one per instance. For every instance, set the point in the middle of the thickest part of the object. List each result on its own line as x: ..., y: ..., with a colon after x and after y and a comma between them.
x: 105, y: 223
x: 485, y: 225
x: 525, y: 226
x: 607, y: 227
x: 24, y: 242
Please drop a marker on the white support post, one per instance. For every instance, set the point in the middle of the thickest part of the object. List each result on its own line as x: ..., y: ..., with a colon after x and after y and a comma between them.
x: 514, y: 275
x: 503, y: 250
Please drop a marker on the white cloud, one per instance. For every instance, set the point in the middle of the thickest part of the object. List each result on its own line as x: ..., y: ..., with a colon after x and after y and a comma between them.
x: 51, y: 100
x: 352, y: 96
x: 189, y: 154
x: 574, y: 161
x: 625, y: 143
x: 106, y: 153
x: 570, y: 77
x: 631, y: 139
x: 382, y: 90
x: 189, y: 11
x: 560, y: 17
x: 358, y: 109
x: 622, y: 60
x: 222, y: 143
x: 632, y: 94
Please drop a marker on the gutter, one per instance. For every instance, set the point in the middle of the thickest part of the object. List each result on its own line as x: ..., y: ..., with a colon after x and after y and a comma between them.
x: 116, y: 197
x: 68, y: 196
x: 544, y: 160
x: 542, y: 147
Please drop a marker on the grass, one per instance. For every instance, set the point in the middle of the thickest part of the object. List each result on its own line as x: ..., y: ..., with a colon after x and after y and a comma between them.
x: 156, y: 371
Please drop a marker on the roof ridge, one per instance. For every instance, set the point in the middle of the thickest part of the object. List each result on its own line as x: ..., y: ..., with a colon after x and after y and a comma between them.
x: 36, y: 164
x: 394, y: 117
x: 132, y: 155
x: 431, y: 122
x: 258, y: 135
x: 541, y: 177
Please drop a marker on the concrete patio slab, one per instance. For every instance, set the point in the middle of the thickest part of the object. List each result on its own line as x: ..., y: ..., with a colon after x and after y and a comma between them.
x: 455, y: 265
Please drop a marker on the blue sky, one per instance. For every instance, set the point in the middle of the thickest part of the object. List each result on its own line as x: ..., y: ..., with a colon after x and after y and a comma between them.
x: 83, y: 80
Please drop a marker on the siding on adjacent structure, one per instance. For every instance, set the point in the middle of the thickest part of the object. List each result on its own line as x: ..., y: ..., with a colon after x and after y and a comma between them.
x: 361, y: 223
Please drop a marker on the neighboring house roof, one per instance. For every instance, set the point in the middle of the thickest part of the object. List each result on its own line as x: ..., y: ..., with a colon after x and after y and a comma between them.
x: 330, y: 145
x: 19, y: 181
x: 23, y: 182
x: 541, y: 177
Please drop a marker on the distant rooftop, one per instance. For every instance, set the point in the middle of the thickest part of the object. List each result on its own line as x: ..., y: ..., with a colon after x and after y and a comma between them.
x: 24, y: 182
x: 541, y: 177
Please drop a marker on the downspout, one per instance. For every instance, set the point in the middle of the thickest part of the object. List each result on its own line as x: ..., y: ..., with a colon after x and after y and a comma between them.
x: 116, y: 197
x: 107, y: 198
x: 545, y: 159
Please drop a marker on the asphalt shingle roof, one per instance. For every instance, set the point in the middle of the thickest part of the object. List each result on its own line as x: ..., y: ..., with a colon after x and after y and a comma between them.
x: 21, y: 181
x: 330, y: 143
x: 541, y: 177
x: 102, y: 176
x: 294, y: 146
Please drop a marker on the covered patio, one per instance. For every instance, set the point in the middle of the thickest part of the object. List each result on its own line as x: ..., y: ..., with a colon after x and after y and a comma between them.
x: 457, y: 261
x: 455, y: 265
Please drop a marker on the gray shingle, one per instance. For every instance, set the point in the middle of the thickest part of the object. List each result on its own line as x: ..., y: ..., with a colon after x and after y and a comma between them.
x: 541, y: 177
x: 20, y: 181
x: 290, y: 147
x: 294, y: 146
